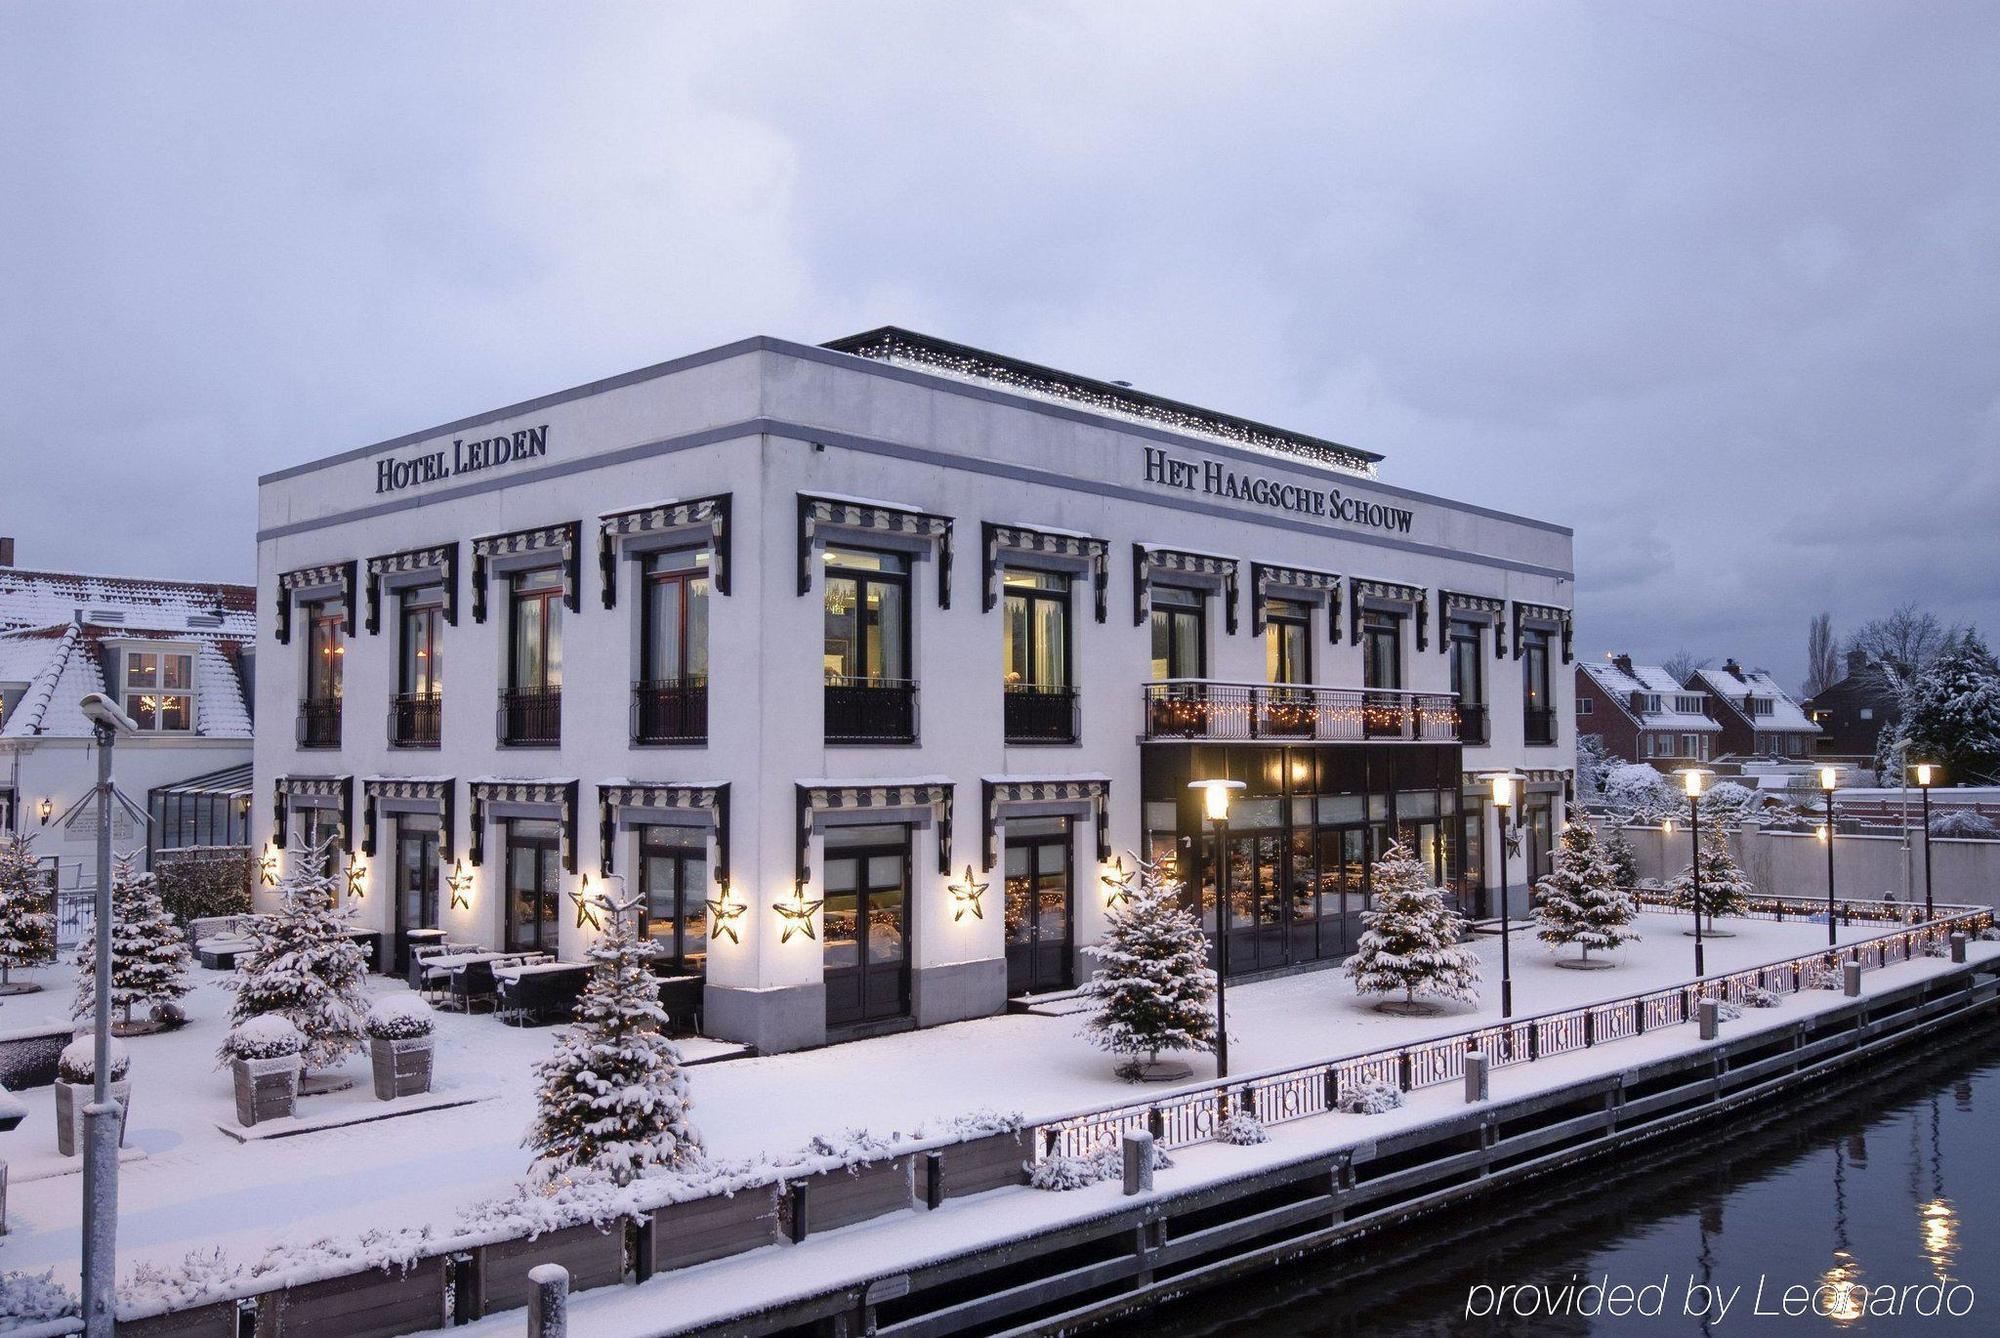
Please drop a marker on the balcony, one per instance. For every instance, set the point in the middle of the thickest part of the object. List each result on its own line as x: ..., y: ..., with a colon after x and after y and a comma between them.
x: 319, y: 722
x: 871, y: 710
x: 1037, y: 714
x: 1540, y: 725
x: 530, y: 719
x: 670, y: 710
x: 415, y: 719
x: 1199, y: 709
x: 1472, y: 725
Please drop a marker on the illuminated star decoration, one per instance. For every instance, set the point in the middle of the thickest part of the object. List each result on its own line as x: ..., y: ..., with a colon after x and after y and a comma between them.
x: 460, y: 884
x: 357, y: 877
x: 966, y: 893
x: 267, y: 867
x: 1117, y: 883
x: 587, y: 904
x: 725, y: 913
x: 798, y: 916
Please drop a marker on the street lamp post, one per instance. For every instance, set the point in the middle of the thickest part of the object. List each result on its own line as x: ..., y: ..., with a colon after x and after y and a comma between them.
x: 1829, y: 780
x: 101, y: 1116
x: 1215, y: 804
x: 1926, y: 777
x: 1692, y: 780
x: 1503, y: 800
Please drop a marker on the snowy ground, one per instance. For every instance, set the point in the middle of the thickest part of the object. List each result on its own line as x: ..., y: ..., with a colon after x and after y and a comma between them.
x: 196, y: 1185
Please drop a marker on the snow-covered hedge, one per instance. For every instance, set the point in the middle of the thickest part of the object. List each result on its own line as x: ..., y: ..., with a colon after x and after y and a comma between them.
x: 34, y: 1298
x: 1371, y: 1096
x: 1242, y: 1128
x: 266, y: 1036
x: 400, y: 1017
x: 1963, y: 822
x: 1107, y: 1163
x: 1726, y: 1011
x: 78, y: 1061
x: 1760, y: 998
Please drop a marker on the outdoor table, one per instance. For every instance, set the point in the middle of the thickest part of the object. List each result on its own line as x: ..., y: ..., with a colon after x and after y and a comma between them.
x: 533, y: 989
x: 220, y: 954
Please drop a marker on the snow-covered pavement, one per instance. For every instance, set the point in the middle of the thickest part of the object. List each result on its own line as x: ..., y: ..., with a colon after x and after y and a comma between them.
x: 197, y: 1186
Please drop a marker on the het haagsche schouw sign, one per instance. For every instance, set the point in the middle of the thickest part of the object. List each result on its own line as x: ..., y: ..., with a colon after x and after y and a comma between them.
x: 461, y: 457
x: 1209, y: 476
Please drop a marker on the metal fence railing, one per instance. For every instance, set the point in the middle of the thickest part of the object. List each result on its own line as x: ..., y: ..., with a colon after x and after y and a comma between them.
x: 1193, y: 1115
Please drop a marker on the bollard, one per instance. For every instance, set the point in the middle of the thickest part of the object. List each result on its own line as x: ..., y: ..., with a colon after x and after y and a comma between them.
x: 1138, y: 1149
x: 1711, y: 1018
x: 1850, y: 979
x: 1958, y: 948
x: 548, y: 1305
x: 1475, y: 1076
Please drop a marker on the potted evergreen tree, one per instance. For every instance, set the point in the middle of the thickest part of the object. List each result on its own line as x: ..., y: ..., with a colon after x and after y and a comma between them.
x: 1411, y: 940
x: 1725, y: 889
x: 1153, y: 987
x: 1582, y: 902
x: 400, y: 1045
x: 149, y: 956
x: 76, y: 1077
x: 27, y: 930
x: 264, y: 1060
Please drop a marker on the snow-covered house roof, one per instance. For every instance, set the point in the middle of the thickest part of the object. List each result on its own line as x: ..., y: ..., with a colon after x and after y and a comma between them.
x: 1756, y: 696
x: 1649, y: 695
x: 51, y: 598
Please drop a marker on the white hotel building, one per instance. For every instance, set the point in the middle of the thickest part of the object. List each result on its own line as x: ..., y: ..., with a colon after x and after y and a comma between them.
x: 862, y: 663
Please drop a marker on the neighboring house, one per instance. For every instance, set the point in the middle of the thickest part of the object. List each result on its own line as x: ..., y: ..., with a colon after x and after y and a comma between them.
x: 177, y: 657
x: 1641, y: 715
x: 1758, y: 718
x: 1852, y: 713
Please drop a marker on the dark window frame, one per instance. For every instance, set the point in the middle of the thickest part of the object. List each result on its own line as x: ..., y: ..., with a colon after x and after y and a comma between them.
x: 862, y: 578
x: 1165, y: 613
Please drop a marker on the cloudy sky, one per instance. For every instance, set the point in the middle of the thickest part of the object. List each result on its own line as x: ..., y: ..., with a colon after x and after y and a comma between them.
x: 1716, y: 284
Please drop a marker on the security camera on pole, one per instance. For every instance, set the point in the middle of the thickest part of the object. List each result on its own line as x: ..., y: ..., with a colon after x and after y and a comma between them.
x: 101, y: 1118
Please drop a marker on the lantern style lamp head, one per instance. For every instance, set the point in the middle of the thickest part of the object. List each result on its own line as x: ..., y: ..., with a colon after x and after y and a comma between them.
x: 1829, y: 778
x: 46, y: 807
x: 1215, y: 797
x: 1694, y: 780
x: 1502, y: 783
x: 1926, y: 777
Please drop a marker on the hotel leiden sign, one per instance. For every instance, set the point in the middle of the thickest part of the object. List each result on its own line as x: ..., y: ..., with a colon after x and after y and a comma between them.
x: 1210, y: 477
x: 461, y: 457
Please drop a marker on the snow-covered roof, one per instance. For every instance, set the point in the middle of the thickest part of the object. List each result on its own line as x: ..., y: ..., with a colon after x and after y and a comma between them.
x: 63, y: 664
x: 1785, y: 716
x: 49, y: 598
x: 1619, y: 685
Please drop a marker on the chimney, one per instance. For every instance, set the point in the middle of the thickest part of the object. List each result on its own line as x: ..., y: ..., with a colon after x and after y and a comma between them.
x: 1857, y: 660
x: 1733, y: 669
x: 1623, y: 661
x: 6, y: 552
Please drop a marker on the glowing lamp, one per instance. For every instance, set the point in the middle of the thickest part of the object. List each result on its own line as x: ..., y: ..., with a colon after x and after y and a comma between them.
x: 1215, y: 797
x: 46, y: 807
x: 1502, y: 784
x: 1820, y: 832
x: 1926, y: 775
x: 1693, y: 780
x: 1828, y: 778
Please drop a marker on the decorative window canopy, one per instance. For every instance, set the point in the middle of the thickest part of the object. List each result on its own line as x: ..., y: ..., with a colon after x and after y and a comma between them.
x: 1263, y: 578
x: 1096, y: 790
x: 341, y: 575
x: 1451, y: 601
x: 439, y: 790
x: 287, y: 788
x: 712, y: 512
x: 832, y: 798
x: 443, y: 560
x: 1548, y: 617
x: 998, y: 539
x: 564, y: 540
x: 1392, y: 592
x: 662, y: 796
x: 855, y: 515
x: 560, y: 794
x: 1147, y: 562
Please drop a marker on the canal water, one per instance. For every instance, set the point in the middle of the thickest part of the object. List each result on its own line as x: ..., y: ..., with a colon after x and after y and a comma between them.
x: 1894, y: 1184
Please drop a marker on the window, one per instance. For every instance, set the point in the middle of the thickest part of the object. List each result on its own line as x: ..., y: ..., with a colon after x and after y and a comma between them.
x: 531, y: 703
x: 870, y: 693
x: 1537, y: 699
x: 159, y: 689
x: 1586, y: 706
x: 1035, y: 657
x: 1690, y: 745
x: 1180, y: 632
x: 1867, y: 713
x: 326, y: 650
x: 1468, y: 679
x: 1381, y: 651
x: 1287, y: 641
x: 670, y: 703
x: 1690, y: 705
x: 673, y: 876
x: 415, y: 712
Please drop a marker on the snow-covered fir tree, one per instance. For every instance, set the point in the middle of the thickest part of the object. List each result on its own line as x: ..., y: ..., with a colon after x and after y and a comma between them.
x: 1411, y: 942
x: 1725, y: 889
x: 303, y: 966
x: 1593, y: 763
x: 1153, y: 987
x: 149, y: 954
x: 1583, y: 902
x: 27, y: 930
x: 612, y: 1096
x: 1624, y: 862
x: 1951, y: 714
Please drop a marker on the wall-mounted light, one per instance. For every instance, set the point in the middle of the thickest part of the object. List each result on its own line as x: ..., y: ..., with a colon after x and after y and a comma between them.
x: 723, y: 913
x: 45, y: 808
x: 797, y: 914
x: 965, y: 895
x: 587, y: 905
x: 267, y: 865
x: 460, y: 884
x: 1117, y: 880
x: 357, y: 876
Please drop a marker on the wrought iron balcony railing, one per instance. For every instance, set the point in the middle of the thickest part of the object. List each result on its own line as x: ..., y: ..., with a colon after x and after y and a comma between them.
x: 1540, y: 725
x: 670, y: 710
x: 319, y: 722
x: 530, y: 718
x: 870, y: 710
x: 416, y: 719
x: 1472, y: 724
x: 1198, y: 708
x: 1039, y: 714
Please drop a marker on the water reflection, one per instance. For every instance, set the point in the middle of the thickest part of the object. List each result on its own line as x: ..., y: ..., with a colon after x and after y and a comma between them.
x: 1883, y: 1187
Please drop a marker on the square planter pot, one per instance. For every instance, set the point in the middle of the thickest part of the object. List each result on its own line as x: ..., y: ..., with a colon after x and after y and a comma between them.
x: 266, y: 1089
x: 71, y: 1098
x: 402, y: 1068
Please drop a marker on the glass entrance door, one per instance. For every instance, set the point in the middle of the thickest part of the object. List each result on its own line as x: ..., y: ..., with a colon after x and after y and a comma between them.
x: 416, y: 881
x: 867, y: 925
x: 1541, y: 842
x: 534, y: 880
x: 1343, y: 862
x: 1040, y: 906
x: 1256, y: 903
